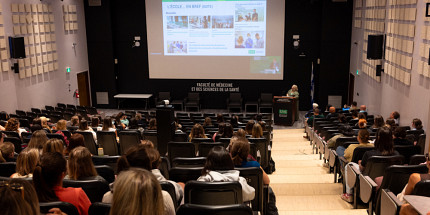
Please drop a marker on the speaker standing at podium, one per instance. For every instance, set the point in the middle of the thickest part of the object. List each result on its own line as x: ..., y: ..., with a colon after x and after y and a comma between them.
x: 294, y: 92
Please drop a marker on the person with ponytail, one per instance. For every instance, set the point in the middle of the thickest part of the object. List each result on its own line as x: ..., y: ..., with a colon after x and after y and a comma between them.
x: 48, y: 182
x: 136, y: 157
x: 417, y: 124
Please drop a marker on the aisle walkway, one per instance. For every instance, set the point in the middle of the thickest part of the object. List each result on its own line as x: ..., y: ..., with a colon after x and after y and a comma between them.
x: 301, y: 183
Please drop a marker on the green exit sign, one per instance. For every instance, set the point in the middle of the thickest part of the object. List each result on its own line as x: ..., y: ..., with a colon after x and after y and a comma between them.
x: 68, y: 69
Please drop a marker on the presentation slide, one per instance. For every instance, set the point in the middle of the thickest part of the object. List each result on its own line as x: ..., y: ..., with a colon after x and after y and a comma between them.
x: 216, y: 39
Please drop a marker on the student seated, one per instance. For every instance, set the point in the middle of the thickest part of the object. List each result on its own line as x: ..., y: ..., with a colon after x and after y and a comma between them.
x: 75, y: 141
x: 137, y: 191
x: 38, y: 140
x: 257, y: 131
x: 378, y: 122
x: 316, y: 115
x: 345, y: 131
x: 249, y: 126
x: 137, y: 157
x: 220, y: 167
x: 83, y: 126
x: 13, y: 125
x: 26, y: 163
x: 363, y: 141
x: 48, y: 181
x: 416, y: 124
x: 80, y: 166
x: 60, y: 127
x: 197, y: 132
x: 399, y: 137
x: 53, y: 145
x: 7, y: 152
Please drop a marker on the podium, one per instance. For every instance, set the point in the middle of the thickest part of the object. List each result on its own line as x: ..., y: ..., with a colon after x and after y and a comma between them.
x: 284, y: 109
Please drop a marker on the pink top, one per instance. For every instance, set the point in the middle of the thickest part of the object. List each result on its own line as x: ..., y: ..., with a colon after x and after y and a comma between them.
x: 75, y: 196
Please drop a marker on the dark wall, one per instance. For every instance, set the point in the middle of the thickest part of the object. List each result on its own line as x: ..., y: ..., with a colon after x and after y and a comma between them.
x: 324, y: 28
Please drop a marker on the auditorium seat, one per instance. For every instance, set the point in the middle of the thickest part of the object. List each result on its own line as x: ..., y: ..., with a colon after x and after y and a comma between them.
x: 417, y: 159
x: 17, y: 143
x: 254, y: 178
x: 128, y: 139
x: 390, y: 204
x: 107, y: 140
x: 106, y: 172
x: 65, y: 207
x: 94, y: 189
x: 11, y: 134
x: 164, y: 167
x: 151, y: 136
x: 99, y: 208
x: 193, y: 209
x: 55, y: 136
x: 422, y: 142
x: 261, y: 145
x: 7, y: 169
x: 407, y: 151
x: 213, y: 193
x: 204, y: 148
x: 36, y: 110
x: 49, y: 108
x: 170, y: 188
x: 180, y: 149
x: 234, y: 102
x: 184, y: 174
x: 89, y: 141
x: 189, y: 162
x: 106, y: 160
x: 422, y: 188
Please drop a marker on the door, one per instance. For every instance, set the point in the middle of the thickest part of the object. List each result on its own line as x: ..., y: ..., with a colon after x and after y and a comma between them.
x: 351, y: 89
x: 84, y: 89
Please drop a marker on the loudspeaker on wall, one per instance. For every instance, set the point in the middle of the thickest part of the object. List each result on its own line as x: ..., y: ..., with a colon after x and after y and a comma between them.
x: 17, y: 47
x: 375, y: 47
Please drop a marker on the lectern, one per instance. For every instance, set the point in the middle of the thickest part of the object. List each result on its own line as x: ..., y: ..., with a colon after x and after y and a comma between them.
x: 165, y: 127
x: 284, y: 108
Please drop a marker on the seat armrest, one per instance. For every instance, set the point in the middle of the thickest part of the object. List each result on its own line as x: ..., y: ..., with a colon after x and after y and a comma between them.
x: 390, y: 204
x: 367, y: 188
x: 353, y: 173
x: 333, y: 158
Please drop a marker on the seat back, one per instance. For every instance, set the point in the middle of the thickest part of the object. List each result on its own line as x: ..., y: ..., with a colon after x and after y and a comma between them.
x: 254, y: 178
x: 56, y: 136
x: 11, y: 133
x: 164, y: 167
x: 7, y: 169
x: 180, y: 149
x: 151, y: 136
x: 408, y: 151
x: 189, y: 162
x: 106, y: 160
x: 417, y: 159
x: 128, y: 139
x: 376, y: 165
x: 107, y: 140
x: 422, y: 142
x: 180, y: 137
x: 99, y: 208
x: 389, y: 203
x: 397, y: 176
x: 16, y: 143
x: 24, y: 123
x: 359, y: 152
x: 184, y: 174
x: 193, y: 97
x: 89, y: 141
x: 204, y: 148
x: 106, y: 172
x: 262, y: 146
x: 170, y: 188
x: 65, y: 207
x: 341, y: 140
x: 94, y: 189
x: 235, y: 97
x: 422, y: 188
x: 415, y: 133
x: 213, y: 193
x: 266, y: 98
x: 192, y: 209
x: 163, y: 96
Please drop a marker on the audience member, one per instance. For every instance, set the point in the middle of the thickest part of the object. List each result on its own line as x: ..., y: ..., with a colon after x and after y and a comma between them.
x: 44, y: 122
x: 74, y: 121
x: 81, y: 167
x: 61, y: 126
x: 391, y: 123
x: 107, y: 124
x: 383, y: 147
x: 363, y: 109
x: 249, y: 126
x: 197, y: 132
x: 152, y: 124
x: 122, y: 119
x: 154, y: 156
x: 416, y: 124
x: 95, y: 123
x: 396, y: 116
x: 378, y: 122
x: 345, y: 131
x: 38, y: 140
x: 240, y: 133
x: 137, y: 157
x: 227, y: 131
x: 7, y: 151
x: 53, y: 145
x: 315, y: 116
x: 18, y: 198
x: 332, y: 113
x: 75, y: 141
x: 220, y: 118
x: 354, y: 115
x: 353, y: 106
x: 363, y: 141
x: 83, y: 126
x: 207, y: 122
x: 26, y: 162
x: 217, y: 135
x: 342, y: 119
x: 257, y: 131
x: 399, y: 137
x: 219, y: 167
x: 13, y: 125
x: 48, y: 181
x: 140, y: 120
x: 234, y: 121
x: 137, y: 191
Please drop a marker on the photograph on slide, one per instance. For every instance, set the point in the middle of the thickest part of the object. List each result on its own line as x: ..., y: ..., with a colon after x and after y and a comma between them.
x: 223, y: 22
x: 177, y: 22
x: 266, y: 65
x: 249, y: 13
x: 249, y: 39
x: 200, y: 22
x: 178, y: 47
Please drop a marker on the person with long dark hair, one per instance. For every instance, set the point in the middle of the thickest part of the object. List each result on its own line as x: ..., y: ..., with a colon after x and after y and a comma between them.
x: 48, y: 182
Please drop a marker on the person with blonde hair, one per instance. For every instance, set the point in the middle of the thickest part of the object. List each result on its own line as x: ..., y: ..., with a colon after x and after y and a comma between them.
x: 23, y: 202
x: 7, y: 150
x: 138, y: 192
x: 38, y: 140
x: 26, y: 163
x: 81, y: 167
x: 60, y: 127
x: 257, y: 131
x: 44, y: 122
x: 197, y: 132
x: 53, y: 145
x: 74, y: 121
x: 13, y: 125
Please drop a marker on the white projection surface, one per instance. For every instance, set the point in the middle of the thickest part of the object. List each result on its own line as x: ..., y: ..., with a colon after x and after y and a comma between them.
x: 215, y: 39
